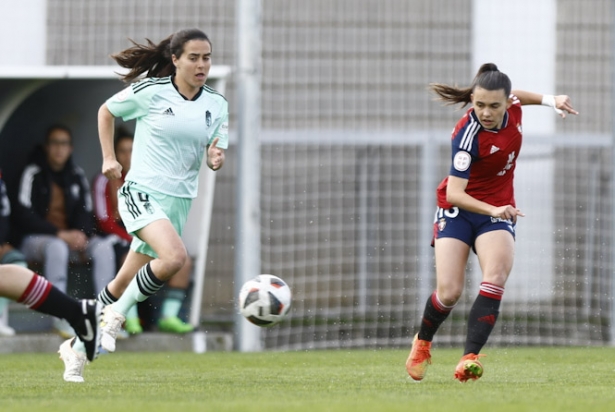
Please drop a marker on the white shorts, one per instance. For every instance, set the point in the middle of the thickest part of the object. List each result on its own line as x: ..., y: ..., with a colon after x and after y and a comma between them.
x: 139, y: 206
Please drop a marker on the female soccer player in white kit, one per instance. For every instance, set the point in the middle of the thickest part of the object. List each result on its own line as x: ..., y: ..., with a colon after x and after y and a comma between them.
x: 179, y: 119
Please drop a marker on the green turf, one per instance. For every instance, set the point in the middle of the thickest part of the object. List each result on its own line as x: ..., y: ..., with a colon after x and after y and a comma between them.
x: 515, y: 379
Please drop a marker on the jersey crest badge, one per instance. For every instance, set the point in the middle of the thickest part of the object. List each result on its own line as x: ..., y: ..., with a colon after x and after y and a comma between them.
x: 208, y: 118
x: 441, y: 224
x: 121, y: 96
x: 462, y: 161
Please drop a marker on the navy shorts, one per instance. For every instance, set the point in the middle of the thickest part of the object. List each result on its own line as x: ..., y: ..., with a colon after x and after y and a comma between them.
x: 467, y: 226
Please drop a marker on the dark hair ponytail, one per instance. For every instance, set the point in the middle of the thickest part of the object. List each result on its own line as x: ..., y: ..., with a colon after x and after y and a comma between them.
x: 488, y: 78
x: 155, y: 59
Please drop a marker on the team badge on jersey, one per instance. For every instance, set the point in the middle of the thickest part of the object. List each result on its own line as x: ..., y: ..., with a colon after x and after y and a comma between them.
x: 121, y: 96
x: 462, y: 161
x: 208, y: 118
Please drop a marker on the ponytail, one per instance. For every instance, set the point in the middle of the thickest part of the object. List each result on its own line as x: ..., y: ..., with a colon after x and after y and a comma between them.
x: 488, y: 78
x: 155, y: 59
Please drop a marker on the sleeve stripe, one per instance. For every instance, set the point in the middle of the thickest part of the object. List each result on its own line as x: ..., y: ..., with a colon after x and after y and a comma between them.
x: 150, y: 81
x: 212, y: 91
x: 468, y: 135
x: 5, y: 205
x: 25, y: 187
x: 87, y: 197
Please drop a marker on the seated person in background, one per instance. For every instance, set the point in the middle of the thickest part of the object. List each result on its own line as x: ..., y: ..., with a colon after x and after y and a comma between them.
x: 53, y: 215
x: 8, y: 254
x: 110, y: 223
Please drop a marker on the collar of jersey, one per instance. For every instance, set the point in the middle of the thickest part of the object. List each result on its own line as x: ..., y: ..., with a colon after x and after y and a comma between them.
x: 504, y: 122
x: 196, y: 96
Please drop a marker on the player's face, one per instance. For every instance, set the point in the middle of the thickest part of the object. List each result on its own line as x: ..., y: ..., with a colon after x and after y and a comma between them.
x: 58, y: 148
x: 192, y: 67
x: 123, y: 153
x: 490, y: 106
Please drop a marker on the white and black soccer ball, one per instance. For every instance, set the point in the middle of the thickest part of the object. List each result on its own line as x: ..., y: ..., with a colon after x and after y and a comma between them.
x: 265, y: 300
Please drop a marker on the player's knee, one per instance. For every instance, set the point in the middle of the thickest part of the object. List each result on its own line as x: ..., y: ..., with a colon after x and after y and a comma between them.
x: 497, y: 278
x: 497, y: 274
x: 174, y: 261
x: 449, y: 295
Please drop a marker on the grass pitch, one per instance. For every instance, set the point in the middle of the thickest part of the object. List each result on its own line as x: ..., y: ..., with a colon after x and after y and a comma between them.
x: 515, y: 379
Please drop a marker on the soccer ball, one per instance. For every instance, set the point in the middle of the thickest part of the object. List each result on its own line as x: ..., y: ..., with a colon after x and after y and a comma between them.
x: 264, y: 300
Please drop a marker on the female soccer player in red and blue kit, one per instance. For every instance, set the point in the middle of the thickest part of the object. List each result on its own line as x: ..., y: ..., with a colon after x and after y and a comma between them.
x: 477, y: 210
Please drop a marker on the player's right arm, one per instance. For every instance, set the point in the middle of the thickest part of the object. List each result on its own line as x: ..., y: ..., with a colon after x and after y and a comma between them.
x: 128, y: 105
x: 111, y: 168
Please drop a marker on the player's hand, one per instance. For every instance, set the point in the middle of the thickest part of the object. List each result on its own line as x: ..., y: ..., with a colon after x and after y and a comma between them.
x: 563, y: 106
x: 215, y: 155
x: 112, y: 169
x: 507, y: 212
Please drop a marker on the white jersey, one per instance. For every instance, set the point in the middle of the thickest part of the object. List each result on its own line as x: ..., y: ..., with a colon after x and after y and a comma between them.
x: 171, y: 134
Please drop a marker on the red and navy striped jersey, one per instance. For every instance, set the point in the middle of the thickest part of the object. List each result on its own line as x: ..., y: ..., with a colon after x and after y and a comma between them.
x: 486, y: 157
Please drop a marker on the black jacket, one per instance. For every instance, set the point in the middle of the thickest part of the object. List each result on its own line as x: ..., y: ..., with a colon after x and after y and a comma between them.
x: 32, y: 201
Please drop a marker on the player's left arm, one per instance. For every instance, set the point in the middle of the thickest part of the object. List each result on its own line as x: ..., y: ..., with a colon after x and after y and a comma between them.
x: 218, y: 143
x: 215, y: 155
x: 560, y: 103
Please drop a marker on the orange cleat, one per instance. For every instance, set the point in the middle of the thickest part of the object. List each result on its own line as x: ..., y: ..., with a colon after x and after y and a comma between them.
x: 419, y: 358
x: 469, y: 367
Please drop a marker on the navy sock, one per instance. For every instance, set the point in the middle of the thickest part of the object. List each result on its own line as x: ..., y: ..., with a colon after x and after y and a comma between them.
x: 434, y: 315
x: 482, y: 318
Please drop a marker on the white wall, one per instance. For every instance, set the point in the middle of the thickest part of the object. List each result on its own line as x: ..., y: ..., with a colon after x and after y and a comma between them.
x: 23, y: 32
x: 520, y: 37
